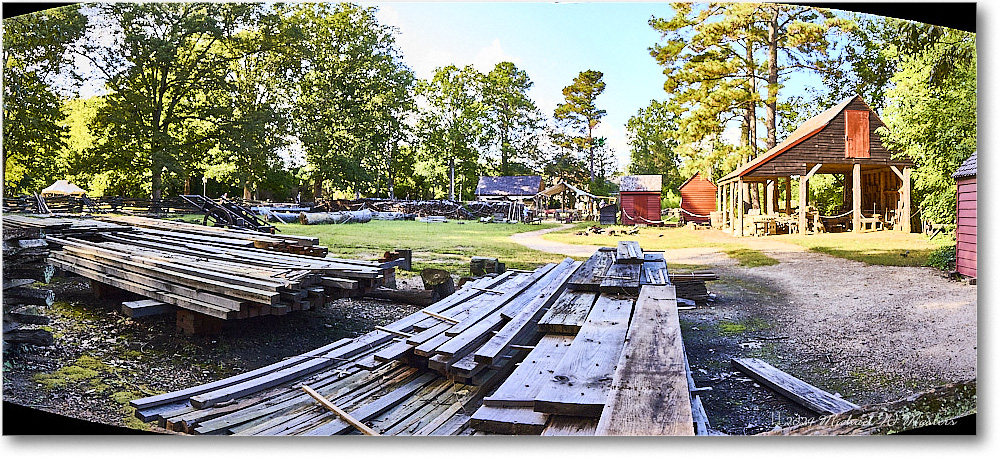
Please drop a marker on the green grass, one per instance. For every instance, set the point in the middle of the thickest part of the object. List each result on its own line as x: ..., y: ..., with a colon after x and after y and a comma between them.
x: 886, y: 248
x: 751, y: 258
x: 440, y: 245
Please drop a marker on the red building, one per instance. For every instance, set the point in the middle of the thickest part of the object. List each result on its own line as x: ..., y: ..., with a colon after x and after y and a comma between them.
x: 965, y: 232
x: 640, y: 199
x: 698, y: 198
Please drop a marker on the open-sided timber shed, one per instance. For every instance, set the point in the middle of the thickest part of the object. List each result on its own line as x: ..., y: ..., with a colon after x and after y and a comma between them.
x: 841, y: 140
x: 698, y: 198
x: 965, y: 231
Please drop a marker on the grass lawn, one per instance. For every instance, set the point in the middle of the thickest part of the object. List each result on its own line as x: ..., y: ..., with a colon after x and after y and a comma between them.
x: 877, y: 248
x: 439, y: 245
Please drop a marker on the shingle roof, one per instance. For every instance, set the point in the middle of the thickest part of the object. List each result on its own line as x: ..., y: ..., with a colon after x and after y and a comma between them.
x: 968, y: 168
x: 516, y: 185
x: 641, y: 183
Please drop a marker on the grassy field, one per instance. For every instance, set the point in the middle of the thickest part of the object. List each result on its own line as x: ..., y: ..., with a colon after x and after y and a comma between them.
x: 440, y: 245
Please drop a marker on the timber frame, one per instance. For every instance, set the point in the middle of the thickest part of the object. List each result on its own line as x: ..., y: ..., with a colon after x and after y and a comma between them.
x: 843, y: 141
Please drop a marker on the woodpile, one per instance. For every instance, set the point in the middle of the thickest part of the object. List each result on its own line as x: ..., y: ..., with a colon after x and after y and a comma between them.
x: 691, y: 286
x: 25, y: 253
x: 80, y: 204
x: 517, y: 353
x: 209, y: 274
x: 408, y: 209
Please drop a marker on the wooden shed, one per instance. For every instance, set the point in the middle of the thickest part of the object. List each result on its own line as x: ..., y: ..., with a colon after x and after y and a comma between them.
x: 965, y: 232
x: 640, y: 199
x: 698, y: 198
x: 841, y: 141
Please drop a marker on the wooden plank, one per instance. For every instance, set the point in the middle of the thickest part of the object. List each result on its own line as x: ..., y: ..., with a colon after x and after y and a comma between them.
x: 654, y: 270
x: 591, y: 273
x: 339, y: 412
x: 799, y: 391
x: 622, y: 279
x: 582, y: 380
x: 282, y: 375
x: 145, y: 308
x: 568, y: 313
x: 370, y: 410
x: 629, y: 252
x: 649, y: 392
x: 522, y: 328
x: 553, y: 280
x: 487, y: 305
x: 520, y: 388
x: 570, y: 426
x: 508, y: 421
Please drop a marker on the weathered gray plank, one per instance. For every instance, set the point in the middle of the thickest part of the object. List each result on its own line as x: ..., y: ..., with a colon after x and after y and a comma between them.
x: 649, y: 393
x: 590, y: 275
x: 797, y: 390
x: 629, y: 252
x: 622, y: 278
x: 570, y: 426
x: 582, y: 380
x: 508, y: 421
x: 520, y: 388
x: 568, y: 313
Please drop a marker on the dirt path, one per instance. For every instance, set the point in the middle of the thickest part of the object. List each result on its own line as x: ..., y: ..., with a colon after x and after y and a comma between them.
x: 870, y: 333
x: 534, y: 240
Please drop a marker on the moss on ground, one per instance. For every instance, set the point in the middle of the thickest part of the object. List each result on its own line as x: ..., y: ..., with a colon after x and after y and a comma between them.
x: 86, y: 370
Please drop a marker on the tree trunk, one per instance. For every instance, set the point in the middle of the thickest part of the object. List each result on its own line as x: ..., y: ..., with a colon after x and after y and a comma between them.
x: 772, y: 78
x: 755, y: 196
x: 451, y: 181
x: 157, y: 182
x: 187, y: 184
x: 751, y: 108
x: 317, y: 186
x: 590, y: 144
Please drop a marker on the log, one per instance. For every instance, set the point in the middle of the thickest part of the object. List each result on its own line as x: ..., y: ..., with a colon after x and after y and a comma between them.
x: 438, y: 280
x: 321, y: 218
x: 414, y: 297
x: 29, y: 295
x: 35, y: 337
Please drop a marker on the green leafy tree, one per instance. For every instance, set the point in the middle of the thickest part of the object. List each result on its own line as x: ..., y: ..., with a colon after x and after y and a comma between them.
x: 579, y: 114
x: 353, y: 93
x: 166, y: 69
x: 514, y: 119
x: 34, y: 53
x: 930, y: 114
x: 452, y: 123
x: 653, y: 141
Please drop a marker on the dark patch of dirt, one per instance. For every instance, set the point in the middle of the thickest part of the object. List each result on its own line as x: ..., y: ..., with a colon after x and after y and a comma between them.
x: 102, y: 359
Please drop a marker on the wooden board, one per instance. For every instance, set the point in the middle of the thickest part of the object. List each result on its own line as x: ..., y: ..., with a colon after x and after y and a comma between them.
x: 520, y: 388
x: 581, y: 382
x: 629, y: 252
x: 508, y: 421
x: 370, y: 410
x: 145, y: 308
x: 589, y: 276
x: 797, y: 390
x: 564, y: 426
x: 622, y: 278
x: 568, y: 313
x: 649, y: 393
x: 654, y: 270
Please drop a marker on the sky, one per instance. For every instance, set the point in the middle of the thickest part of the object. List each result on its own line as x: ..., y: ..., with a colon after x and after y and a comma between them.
x: 552, y: 42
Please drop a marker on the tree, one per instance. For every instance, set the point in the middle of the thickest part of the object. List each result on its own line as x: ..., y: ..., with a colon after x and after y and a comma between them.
x: 718, y: 56
x: 579, y: 112
x: 353, y: 92
x: 451, y: 125
x: 34, y: 52
x: 513, y: 117
x: 930, y: 114
x: 166, y: 69
x: 652, y: 138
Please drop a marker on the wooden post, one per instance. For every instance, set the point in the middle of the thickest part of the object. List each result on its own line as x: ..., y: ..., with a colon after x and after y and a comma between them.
x: 740, y: 204
x: 724, y: 192
x: 769, y: 190
x: 856, y: 179
x: 803, y: 191
x: 788, y: 195
x: 905, y: 223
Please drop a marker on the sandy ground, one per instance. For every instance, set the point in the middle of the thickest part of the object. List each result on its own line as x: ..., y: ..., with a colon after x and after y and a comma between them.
x: 876, y: 333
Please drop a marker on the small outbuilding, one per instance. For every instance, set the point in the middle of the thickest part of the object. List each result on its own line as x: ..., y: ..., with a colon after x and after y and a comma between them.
x: 515, y: 187
x: 965, y: 231
x: 698, y: 198
x: 640, y: 199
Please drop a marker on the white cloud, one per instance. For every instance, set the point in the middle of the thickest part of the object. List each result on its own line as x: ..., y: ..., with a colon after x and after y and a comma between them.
x: 490, y: 56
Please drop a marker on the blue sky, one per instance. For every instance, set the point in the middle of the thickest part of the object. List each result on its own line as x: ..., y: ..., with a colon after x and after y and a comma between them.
x: 552, y: 42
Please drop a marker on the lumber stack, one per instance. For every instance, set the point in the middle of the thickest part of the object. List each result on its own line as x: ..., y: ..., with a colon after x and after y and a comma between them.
x: 25, y: 253
x: 691, y: 286
x: 476, y: 362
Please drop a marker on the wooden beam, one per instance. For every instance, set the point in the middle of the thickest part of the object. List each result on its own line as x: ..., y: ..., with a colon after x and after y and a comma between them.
x: 803, y: 192
x: 450, y: 320
x: 813, y: 171
x: 905, y: 223
x: 769, y: 190
x: 788, y: 195
x: 740, y: 211
x: 650, y: 393
x: 856, y: 202
x: 339, y: 412
x: 896, y: 171
x: 799, y: 391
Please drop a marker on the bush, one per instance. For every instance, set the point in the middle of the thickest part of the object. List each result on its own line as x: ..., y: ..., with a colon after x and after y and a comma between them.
x: 943, y: 258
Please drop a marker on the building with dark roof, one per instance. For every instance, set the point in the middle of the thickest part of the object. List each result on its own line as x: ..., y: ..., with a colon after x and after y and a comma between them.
x: 967, y: 221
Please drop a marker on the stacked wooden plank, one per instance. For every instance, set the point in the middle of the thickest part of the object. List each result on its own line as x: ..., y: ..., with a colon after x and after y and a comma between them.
x: 62, y: 226
x: 25, y: 253
x: 475, y: 362
x: 691, y: 286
